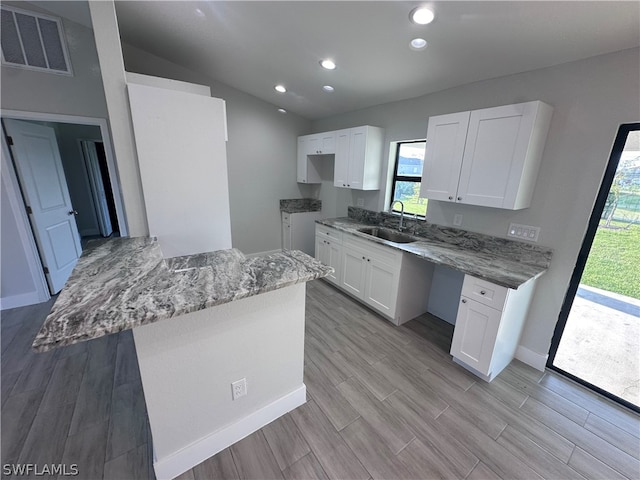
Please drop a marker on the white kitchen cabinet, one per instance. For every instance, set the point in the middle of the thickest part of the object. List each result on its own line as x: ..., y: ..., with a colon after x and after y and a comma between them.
x: 358, y: 157
x: 321, y: 143
x: 392, y: 282
x: 309, y: 147
x: 488, y: 157
x: 308, y: 167
x: 488, y: 325
x: 329, y: 251
x: 298, y: 231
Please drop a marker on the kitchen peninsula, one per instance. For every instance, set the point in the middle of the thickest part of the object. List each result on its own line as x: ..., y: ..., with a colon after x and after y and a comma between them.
x: 200, y: 323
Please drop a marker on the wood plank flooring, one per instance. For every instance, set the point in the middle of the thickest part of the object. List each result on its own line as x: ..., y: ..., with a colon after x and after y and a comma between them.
x: 383, y: 402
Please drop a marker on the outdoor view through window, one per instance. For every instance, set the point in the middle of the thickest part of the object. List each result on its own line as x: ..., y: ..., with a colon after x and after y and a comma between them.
x: 407, y: 176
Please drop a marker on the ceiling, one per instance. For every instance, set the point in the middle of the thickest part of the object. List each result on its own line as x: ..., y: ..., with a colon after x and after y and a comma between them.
x: 253, y: 46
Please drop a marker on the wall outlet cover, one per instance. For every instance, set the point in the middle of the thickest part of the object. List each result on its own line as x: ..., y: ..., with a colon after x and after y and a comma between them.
x: 457, y: 219
x: 360, y: 202
x: 239, y: 388
x: 523, y: 232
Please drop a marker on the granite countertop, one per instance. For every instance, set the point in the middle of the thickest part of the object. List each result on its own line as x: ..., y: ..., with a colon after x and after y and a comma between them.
x: 124, y: 283
x: 300, y: 205
x: 497, y: 260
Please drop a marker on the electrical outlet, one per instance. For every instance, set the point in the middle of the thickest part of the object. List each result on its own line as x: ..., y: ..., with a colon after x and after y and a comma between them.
x: 360, y: 202
x: 457, y: 219
x: 523, y: 232
x: 239, y: 388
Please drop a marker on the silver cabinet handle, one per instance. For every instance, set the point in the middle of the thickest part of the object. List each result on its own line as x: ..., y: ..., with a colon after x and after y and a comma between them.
x: 482, y: 292
x: 73, y: 212
x: 450, y: 198
x: 459, y: 198
x: 464, y: 301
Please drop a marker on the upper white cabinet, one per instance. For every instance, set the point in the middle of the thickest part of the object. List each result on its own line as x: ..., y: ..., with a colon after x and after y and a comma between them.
x: 488, y: 157
x: 308, y: 146
x: 321, y: 143
x: 308, y: 171
x: 358, y: 158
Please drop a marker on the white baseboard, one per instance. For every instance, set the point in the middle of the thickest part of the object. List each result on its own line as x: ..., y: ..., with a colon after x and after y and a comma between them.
x: 187, y: 458
x: 531, y: 358
x: 21, y: 300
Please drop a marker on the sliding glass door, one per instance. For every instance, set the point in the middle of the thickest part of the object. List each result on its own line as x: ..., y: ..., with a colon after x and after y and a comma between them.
x: 597, y: 339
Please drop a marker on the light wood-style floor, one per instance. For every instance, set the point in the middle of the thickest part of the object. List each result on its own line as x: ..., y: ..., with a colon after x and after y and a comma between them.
x: 383, y: 402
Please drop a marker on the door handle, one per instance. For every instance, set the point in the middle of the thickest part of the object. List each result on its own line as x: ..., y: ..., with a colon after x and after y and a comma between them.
x: 73, y: 212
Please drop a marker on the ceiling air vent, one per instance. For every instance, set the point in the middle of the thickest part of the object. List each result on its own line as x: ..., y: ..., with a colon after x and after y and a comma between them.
x: 33, y: 41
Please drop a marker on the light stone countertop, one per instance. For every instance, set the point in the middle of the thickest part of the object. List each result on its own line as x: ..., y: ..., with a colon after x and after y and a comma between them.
x: 123, y: 283
x: 497, y: 260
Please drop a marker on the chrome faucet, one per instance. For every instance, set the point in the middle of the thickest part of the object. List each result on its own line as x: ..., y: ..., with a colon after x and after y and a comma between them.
x: 400, y: 226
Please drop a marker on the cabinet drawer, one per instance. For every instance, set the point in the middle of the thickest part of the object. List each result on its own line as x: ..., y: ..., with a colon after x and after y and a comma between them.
x: 379, y: 252
x: 328, y: 232
x: 484, y: 292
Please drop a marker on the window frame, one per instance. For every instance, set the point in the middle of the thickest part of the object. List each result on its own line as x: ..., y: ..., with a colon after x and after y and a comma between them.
x: 403, y: 178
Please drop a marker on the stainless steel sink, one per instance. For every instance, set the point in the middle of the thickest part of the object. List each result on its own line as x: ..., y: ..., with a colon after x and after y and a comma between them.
x: 387, y: 234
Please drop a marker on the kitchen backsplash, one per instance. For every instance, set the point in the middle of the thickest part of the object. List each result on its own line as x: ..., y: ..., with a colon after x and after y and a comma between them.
x: 296, y: 205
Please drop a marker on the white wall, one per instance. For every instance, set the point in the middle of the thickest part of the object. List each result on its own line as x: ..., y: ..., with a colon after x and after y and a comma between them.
x: 188, y: 363
x: 82, y: 94
x: 591, y: 98
x: 261, y: 154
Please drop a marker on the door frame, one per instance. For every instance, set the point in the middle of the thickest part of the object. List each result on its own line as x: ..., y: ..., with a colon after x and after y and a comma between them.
x: 583, y: 255
x: 10, y: 182
x: 108, y: 149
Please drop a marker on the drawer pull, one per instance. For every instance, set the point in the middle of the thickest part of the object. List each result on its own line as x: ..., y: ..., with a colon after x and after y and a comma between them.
x: 464, y: 301
x: 482, y: 292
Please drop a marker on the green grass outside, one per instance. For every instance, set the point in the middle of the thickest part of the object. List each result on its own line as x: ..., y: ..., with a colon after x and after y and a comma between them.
x: 614, y: 260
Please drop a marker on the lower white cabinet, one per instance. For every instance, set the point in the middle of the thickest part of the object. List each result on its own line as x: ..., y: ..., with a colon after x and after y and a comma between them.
x: 391, y: 282
x: 298, y: 231
x: 329, y: 251
x: 488, y: 325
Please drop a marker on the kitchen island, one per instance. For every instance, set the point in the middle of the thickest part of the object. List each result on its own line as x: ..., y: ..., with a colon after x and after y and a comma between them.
x: 200, y: 323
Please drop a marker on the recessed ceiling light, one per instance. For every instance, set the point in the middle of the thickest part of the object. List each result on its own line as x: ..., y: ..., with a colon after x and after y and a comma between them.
x: 328, y: 64
x: 421, y: 15
x: 328, y: 88
x: 418, y: 44
x: 282, y: 110
x: 280, y: 88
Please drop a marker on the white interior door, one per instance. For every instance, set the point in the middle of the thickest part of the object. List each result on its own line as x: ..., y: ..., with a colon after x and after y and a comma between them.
x: 97, y: 187
x: 39, y: 168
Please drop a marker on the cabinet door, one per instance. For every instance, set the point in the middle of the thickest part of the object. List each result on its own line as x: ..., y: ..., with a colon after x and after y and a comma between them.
x: 320, y: 252
x: 328, y: 142
x: 446, y: 135
x: 474, y: 336
x: 381, y: 291
x: 314, y: 144
x: 333, y: 254
x: 302, y: 160
x: 341, y: 169
x: 286, y: 236
x: 495, y: 153
x: 357, y: 156
x: 353, y: 271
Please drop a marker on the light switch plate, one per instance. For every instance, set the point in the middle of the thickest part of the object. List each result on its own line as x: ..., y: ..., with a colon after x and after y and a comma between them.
x: 523, y: 232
